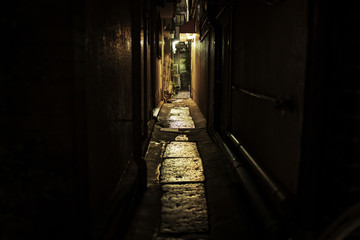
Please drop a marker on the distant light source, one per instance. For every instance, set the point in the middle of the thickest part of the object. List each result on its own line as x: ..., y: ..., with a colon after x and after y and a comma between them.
x: 174, y: 45
x: 190, y: 36
x: 186, y: 37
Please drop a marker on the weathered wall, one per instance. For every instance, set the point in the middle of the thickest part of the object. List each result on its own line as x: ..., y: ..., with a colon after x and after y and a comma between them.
x: 269, y: 57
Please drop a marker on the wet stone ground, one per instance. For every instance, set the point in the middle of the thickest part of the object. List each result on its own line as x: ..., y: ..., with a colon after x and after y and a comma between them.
x: 184, y: 208
x: 181, y: 149
x: 192, y: 192
x: 182, y: 170
x: 178, y: 118
x: 183, y: 199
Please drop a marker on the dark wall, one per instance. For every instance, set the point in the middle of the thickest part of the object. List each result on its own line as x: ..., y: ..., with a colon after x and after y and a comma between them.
x: 269, y: 57
x: 43, y: 120
x: 146, y: 64
x: 68, y: 147
x: 289, y: 91
x: 109, y: 99
x: 329, y: 171
x: 307, y: 53
x: 222, y: 92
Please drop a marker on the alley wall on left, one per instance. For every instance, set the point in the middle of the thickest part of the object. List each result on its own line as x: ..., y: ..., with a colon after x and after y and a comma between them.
x: 109, y: 98
x: 73, y: 112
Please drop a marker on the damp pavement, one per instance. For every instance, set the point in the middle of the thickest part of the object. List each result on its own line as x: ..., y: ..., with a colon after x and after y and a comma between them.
x: 192, y: 191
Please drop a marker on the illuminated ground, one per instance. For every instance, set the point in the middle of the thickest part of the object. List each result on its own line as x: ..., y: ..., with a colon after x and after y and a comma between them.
x: 192, y: 191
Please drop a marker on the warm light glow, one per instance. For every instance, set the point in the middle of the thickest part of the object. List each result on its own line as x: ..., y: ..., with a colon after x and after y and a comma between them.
x: 190, y: 36
x: 185, y: 37
x: 142, y: 38
x: 174, y: 45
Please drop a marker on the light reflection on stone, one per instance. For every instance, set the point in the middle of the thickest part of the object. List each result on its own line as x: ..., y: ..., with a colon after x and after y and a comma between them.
x: 184, y: 208
x: 182, y: 137
x: 181, y: 149
x: 183, y: 111
x: 179, y: 118
x: 182, y: 170
x: 182, y: 124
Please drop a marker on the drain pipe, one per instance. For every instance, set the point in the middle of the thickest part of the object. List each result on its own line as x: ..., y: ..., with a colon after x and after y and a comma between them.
x: 270, y: 221
x: 273, y: 187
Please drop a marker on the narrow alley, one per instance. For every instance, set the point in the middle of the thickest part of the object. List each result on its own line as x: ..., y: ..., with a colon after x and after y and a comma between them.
x: 190, y: 182
x: 179, y: 120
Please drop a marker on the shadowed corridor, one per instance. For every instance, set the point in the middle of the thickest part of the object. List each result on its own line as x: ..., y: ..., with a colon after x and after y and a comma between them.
x: 179, y: 119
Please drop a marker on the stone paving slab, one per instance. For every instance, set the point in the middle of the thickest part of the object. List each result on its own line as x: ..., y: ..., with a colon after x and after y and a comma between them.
x: 182, y: 137
x: 180, y: 111
x: 181, y: 149
x: 182, y: 170
x: 178, y: 206
x: 184, y: 208
x: 179, y: 118
x: 182, y: 124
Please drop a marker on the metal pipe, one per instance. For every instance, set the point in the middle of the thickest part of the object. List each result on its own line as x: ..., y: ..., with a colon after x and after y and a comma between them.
x: 257, y: 95
x: 271, y: 222
x: 284, y: 104
x: 265, y: 177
